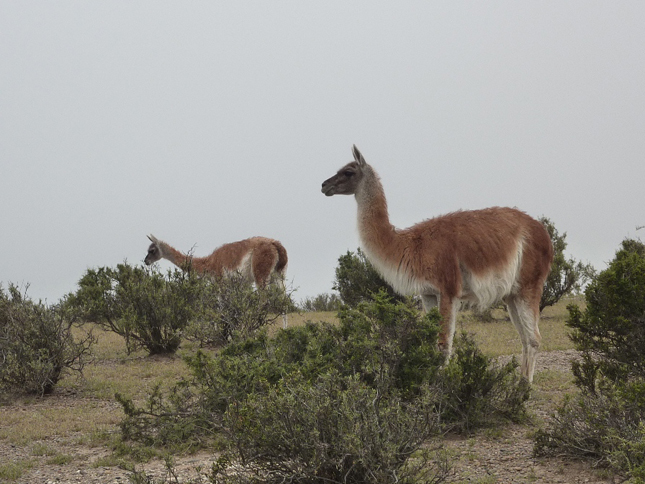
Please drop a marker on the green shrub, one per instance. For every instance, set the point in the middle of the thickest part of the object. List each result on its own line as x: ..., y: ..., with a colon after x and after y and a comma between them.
x: 321, y: 303
x: 149, y: 310
x: 36, y: 344
x: 607, y: 426
x: 321, y: 403
x: 567, y: 275
x: 605, y: 421
x: 389, y: 338
x: 477, y: 392
x: 389, y: 348
x: 167, y: 420
x: 357, y: 280
x: 334, y: 429
x: 378, y: 339
x: 383, y: 339
x: 610, y: 333
x: 230, y: 308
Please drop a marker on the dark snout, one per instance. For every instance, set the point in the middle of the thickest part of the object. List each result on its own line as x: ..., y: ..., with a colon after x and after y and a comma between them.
x: 151, y: 255
x: 328, y: 187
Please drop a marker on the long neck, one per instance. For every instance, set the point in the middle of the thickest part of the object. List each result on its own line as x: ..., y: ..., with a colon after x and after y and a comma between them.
x: 377, y: 235
x: 178, y: 258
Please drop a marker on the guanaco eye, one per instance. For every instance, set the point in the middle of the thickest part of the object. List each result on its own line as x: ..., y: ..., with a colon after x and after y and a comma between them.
x: 348, y: 173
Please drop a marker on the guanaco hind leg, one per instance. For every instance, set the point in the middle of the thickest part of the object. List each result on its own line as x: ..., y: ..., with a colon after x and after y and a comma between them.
x: 448, y: 310
x: 525, y: 319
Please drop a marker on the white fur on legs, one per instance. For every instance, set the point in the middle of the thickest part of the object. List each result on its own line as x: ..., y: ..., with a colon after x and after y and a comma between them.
x: 448, y: 324
x: 526, y: 322
x: 429, y: 302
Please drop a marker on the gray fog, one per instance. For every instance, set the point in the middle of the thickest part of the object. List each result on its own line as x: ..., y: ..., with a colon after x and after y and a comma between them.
x: 208, y: 122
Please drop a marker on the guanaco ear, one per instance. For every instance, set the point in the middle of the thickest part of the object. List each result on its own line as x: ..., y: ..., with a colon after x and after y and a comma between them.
x: 357, y: 156
x: 153, y: 239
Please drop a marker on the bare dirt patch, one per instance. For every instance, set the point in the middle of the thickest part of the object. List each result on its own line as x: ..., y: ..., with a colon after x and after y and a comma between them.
x: 506, y: 455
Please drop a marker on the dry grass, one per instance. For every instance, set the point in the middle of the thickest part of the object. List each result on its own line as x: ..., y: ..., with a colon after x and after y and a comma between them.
x: 24, y: 423
x: 499, y: 337
x: 82, y: 407
x: 116, y: 371
x: 299, y: 319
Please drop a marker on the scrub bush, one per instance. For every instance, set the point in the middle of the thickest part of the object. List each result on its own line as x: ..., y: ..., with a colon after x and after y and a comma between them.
x: 230, y: 308
x: 148, y: 309
x: 477, y: 392
x: 334, y: 429
x: 610, y: 333
x: 322, y: 403
x: 357, y: 281
x: 605, y: 421
x: 321, y: 302
x: 567, y: 275
x: 36, y: 344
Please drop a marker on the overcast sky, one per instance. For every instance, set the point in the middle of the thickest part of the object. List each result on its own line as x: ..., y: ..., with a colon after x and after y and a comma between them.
x: 208, y: 122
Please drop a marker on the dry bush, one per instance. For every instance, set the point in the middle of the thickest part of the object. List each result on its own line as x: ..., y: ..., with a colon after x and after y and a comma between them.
x: 323, y: 403
x: 148, y: 309
x: 230, y: 308
x: 36, y: 344
x: 605, y: 421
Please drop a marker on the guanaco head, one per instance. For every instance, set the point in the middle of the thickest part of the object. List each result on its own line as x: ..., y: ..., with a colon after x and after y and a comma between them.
x: 154, y: 251
x: 348, y: 178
